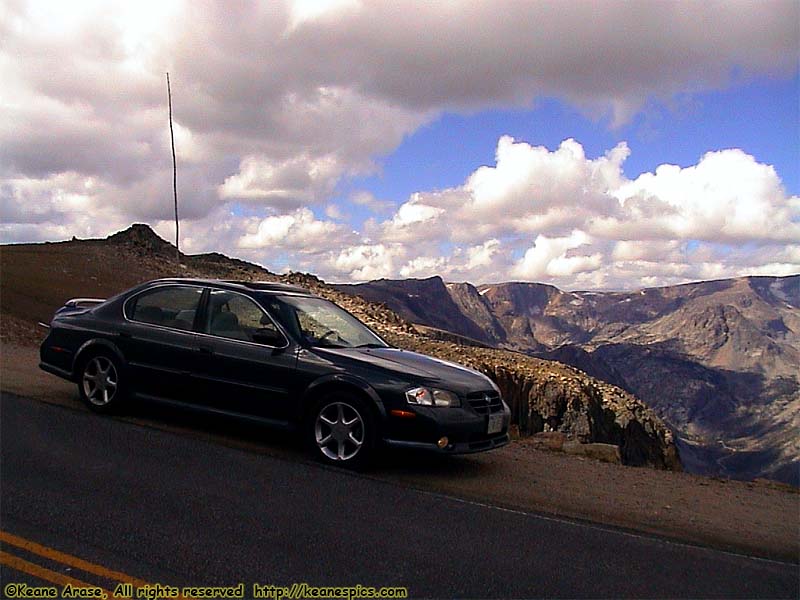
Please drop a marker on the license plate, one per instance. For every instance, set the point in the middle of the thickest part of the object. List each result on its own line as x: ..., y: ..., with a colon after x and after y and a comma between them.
x: 495, y: 424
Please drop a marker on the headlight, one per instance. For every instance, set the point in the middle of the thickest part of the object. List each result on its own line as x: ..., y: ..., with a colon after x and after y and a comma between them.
x: 431, y: 397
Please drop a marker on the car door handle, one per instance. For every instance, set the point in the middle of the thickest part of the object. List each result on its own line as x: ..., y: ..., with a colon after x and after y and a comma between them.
x: 124, y: 334
x: 205, y: 350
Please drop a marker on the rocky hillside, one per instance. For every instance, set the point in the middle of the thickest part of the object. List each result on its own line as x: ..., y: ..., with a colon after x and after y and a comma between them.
x: 717, y: 360
x: 544, y: 395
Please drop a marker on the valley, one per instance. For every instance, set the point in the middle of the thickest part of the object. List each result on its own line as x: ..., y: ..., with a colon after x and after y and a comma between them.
x: 717, y: 360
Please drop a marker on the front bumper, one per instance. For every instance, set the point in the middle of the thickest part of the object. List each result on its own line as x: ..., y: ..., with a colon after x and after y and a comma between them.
x: 465, y: 429
x: 490, y: 443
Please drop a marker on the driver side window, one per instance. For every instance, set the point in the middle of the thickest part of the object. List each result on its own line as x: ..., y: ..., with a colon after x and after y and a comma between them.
x: 237, y: 317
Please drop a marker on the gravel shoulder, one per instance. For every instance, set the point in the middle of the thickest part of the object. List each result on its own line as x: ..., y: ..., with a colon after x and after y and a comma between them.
x: 754, y: 518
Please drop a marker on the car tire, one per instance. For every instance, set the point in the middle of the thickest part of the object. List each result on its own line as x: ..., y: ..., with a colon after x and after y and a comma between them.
x: 101, y: 383
x: 342, y: 431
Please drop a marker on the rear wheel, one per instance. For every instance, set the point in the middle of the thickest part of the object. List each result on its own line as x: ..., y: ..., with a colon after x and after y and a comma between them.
x: 100, y: 385
x: 343, y: 431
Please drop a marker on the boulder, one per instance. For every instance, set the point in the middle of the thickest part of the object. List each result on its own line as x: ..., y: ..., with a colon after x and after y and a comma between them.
x: 604, y: 452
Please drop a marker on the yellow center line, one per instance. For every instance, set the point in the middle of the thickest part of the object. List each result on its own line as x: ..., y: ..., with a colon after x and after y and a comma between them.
x: 65, y: 559
x: 19, y: 564
x: 68, y: 559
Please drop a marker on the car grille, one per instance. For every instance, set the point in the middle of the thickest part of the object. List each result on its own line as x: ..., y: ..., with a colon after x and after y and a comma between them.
x: 484, y: 403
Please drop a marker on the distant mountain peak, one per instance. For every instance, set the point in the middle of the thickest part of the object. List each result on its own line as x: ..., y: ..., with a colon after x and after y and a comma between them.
x: 433, y: 279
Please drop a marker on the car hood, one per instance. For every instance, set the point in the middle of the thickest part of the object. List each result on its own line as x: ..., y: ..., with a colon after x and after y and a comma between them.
x: 432, y: 371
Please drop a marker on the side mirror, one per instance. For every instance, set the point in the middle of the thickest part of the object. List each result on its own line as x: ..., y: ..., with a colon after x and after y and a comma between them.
x: 269, y: 337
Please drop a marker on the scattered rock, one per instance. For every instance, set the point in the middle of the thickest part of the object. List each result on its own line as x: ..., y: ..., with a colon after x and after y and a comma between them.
x: 604, y: 452
x: 547, y: 440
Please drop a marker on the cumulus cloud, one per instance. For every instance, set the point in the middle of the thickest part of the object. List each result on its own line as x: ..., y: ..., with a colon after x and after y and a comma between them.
x: 364, y: 261
x: 277, y: 104
x: 551, y: 257
x: 649, y: 250
x: 560, y: 216
x: 482, y: 256
x: 300, y: 231
x: 294, y: 182
x: 370, y: 202
x: 727, y: 196
x: 414, y: 220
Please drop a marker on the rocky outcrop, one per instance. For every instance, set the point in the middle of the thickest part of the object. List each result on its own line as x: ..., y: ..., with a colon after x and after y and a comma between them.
x: 470, y: 301
x: 426, y: 301
x: 141, y: 238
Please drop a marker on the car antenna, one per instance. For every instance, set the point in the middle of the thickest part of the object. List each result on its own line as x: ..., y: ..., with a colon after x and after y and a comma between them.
x: 174, y: 179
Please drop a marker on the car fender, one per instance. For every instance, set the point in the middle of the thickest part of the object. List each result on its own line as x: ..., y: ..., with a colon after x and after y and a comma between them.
x: 343, y: 380
x: 95, y: 344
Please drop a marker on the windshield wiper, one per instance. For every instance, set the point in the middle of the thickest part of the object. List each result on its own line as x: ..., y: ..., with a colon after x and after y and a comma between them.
x: 371, y: 345
x: 327, y: 344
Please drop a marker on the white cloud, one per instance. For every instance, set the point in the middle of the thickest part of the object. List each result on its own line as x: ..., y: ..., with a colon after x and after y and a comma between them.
x: 370, y: 202
x: 593, y: 227
x: 364, y: 262
x: 303, y: 11
x: 300, y: 232
x: 69, y: 202
x: 342, y: 78
x: 727, y: 196
x: 277, y: 103
x: 529, y: 179
x: 529, y: 185
x: 550, y: 257
x: 650, y: 250
x: 423, y: 266
x: 189, y: 147
x: 284, y: 184
x: 482, y: 256
x: 333, y: 211
x: 414, y: 213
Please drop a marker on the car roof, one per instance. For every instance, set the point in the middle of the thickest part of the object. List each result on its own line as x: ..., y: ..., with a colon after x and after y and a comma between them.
x: 274, y: 287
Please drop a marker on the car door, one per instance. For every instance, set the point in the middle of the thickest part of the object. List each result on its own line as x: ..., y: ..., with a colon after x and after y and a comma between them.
x: 247, y: 364
x: 158, y: 339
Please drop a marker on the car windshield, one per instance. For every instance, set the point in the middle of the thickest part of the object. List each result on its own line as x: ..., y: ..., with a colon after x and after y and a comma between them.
x: 321, y: 323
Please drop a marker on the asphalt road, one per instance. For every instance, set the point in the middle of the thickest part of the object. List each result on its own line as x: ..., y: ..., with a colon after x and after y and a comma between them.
x: 178, y: 509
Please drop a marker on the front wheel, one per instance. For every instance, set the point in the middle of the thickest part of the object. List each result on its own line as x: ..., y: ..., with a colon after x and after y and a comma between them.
x: 343, y: 431
x: 100, y: 385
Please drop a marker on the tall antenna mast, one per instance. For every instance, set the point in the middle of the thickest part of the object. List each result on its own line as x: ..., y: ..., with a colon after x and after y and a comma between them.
x: 174, y: 177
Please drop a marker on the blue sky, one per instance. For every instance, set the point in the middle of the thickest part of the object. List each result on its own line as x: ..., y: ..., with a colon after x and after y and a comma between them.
x: 358, y: 140
x: 762, y: 117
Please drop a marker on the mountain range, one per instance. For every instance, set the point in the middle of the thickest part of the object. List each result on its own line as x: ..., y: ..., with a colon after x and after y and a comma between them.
x: 718, y: 361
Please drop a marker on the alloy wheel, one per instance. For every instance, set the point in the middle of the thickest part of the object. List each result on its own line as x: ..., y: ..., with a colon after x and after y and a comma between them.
x: 100, y: 380
x: 339, y: 431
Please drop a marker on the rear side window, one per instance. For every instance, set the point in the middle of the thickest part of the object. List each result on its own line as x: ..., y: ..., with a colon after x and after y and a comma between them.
x: 173, y: 306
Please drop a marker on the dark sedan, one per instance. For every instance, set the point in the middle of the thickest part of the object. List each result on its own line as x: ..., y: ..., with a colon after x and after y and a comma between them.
x: 277, y: 354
